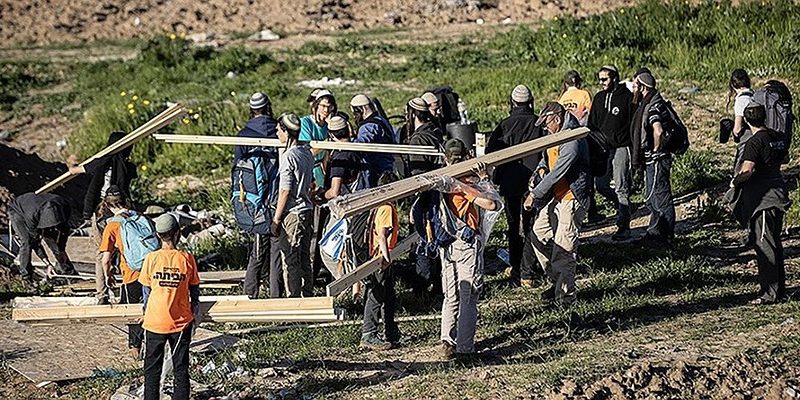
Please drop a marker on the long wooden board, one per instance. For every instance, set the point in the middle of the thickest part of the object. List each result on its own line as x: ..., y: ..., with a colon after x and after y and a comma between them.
x: 161, y: 120
x: 355, y: 203
x: 326, y: 145
x: 364, y: 270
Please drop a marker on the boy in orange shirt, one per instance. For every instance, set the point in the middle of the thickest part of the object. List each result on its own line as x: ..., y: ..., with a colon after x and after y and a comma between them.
x: 380, y: 294
x: 574, y: 98
x: 171, y: 286
x: 110, y: 243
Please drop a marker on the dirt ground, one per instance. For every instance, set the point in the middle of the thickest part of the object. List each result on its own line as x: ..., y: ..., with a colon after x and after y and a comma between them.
x: 71, y: 21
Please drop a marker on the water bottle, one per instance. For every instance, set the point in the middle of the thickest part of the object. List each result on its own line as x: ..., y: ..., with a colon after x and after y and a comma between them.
x: 503, y: 255
x: 462, y: 112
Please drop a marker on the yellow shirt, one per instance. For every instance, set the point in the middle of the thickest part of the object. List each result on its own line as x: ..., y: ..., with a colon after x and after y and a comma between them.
x: 561, y: 190
x: 168, y: 274
x: 577, y: 101
x: 385, y: 217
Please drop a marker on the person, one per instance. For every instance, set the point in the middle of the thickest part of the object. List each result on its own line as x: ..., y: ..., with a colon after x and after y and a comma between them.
x: 435, y: 107
x: 610, y: 115
x: 292, y: 222
x: 40, y: 219
x: 462, y: 259
x: 111, y: 243
x: 264, y: 257
x: 512, y: 178
x: 561, y: 186
x: 314, y: 127
x: 171, y: 297
x: 372, y: 128
x: 741, y: 93
x: 762, y: 201
x: 424, y: 132
x: 574, y: 98
x: 115, y: 169
x: 346, y: 173
x: 647, y: 129
x: 380, y: 297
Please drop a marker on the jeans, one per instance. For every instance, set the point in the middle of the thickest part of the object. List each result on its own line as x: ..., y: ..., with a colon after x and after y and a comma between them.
x: 620, y: 172
x: 295, y: 244
x: 658, y: 196
x: 131, y: 293
x: 264, y: 263
x: 154, y: 359
x: 462, y: 283
x: 520, y: 222
x: 765, y: 233
x: 555, y: 234
x: 380, y: 298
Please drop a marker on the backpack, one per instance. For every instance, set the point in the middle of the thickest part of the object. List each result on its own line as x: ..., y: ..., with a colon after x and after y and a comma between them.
x: 777, y: 99
x: 448, y: 101
x: 254, y: 192
x: 138, y: 238
x: 675, y: 137
x: 598, y: 153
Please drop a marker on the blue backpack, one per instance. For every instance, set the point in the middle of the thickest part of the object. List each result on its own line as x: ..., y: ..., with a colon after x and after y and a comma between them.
x: 138, y: 238
x: 254, y: 190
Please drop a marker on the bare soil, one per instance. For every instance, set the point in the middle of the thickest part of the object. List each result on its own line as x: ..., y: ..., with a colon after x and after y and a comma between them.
x: 71, y: 21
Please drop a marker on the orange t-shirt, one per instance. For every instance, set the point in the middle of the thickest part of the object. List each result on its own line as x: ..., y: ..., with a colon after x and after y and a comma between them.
x: 577, y: 101
x: 385, y: 217
x: 112, y: 241
x: 168, y: 274
x: 561, y: 190
x: 463, y: 208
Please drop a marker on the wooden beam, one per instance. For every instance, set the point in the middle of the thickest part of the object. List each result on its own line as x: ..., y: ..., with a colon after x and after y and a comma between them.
x: 325, y: 145
x: 361, y: 201
x: 161, y: 120
x: 364, y: 270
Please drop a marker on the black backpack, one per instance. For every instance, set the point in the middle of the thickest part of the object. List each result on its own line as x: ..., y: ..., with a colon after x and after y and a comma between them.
x: 598, y: 153
x: 777, y: 99
x: 448, y: 101
x: 675, y: 138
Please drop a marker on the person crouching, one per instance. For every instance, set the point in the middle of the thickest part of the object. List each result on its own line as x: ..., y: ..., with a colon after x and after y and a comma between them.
x: 171, y: 290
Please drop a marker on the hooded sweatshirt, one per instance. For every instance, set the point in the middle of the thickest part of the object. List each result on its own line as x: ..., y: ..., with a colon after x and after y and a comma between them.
x: 611, y: 115
x: 261, y: 127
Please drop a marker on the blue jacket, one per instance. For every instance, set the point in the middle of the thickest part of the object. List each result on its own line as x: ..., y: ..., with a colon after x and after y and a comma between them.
x: 376, y: 129
x: 572, y: 165
x: 262, y: 127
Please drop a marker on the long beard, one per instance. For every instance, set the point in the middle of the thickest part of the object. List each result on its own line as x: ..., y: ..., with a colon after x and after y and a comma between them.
x: 637, y: 97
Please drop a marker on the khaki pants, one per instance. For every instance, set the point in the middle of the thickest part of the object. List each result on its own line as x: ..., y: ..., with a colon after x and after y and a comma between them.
x: 462, y: 282
x: 555, y: 242
x: 101, y: 289
x: 295, y: 243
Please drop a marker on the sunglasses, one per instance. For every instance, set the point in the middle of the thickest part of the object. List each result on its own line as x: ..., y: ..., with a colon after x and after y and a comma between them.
x: 603, y: 80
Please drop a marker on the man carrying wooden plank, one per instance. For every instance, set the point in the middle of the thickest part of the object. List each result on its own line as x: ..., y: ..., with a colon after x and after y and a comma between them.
x: 171, y: 290
x: 254, y: 187
x: 560, y: 186
x: 292, y: 222
x: 462, y: 209
x: 37, y: 219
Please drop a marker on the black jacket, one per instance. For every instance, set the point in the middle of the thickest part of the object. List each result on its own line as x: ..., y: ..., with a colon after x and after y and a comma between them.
x: 611, y: 114
x: 519, y: 127
x: 40, y: 211
x: 428, y: 134
x: 122, y: 173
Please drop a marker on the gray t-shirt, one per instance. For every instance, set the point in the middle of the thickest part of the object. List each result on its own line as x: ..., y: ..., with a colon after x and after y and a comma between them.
x: 296, y: 176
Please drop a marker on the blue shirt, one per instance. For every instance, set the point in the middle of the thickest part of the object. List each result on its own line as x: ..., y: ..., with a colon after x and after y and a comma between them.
x: 309, y: 130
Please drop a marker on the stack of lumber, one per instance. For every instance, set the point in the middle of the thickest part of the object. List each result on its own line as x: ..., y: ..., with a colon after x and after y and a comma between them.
x: 213, y: 309
x: 356, y: 203
x: 161, y: 120
x: 324, y: 145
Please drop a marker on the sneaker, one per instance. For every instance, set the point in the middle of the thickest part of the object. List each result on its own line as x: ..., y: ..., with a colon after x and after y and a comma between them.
x: 371, y: 341
x: 621, y: 234
x: 527, y: 283
x: 448, y: 351
x: 549, y: 294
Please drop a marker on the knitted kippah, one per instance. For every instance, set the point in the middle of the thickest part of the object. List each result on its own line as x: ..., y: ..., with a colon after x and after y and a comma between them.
x: 418, y: 104
x: 258, y: 100
x: 521, y: 94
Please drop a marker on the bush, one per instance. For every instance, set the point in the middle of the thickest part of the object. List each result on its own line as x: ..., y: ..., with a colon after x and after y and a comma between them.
x: 696, y: 170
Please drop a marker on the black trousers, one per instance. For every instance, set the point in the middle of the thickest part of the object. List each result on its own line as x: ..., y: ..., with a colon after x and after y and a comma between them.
x: 520, y: 222
x: 264, y: 263
x: 381, y: 298
x: 154, y: 359
x: 131, y: 293
x: 765, y: 233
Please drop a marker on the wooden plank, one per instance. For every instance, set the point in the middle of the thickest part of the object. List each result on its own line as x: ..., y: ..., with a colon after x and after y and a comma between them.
x: 325, y: 145
x: 161, y: 120
x: 355, y: 203
x: 278, y: 328
x: 364, y: 270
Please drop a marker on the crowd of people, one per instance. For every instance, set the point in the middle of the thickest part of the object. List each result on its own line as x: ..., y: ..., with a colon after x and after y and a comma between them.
x: 279, y: 196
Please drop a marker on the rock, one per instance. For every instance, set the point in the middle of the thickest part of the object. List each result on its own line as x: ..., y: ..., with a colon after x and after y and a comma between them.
x: 506, y: 21
x: 200, y: 37
x: 137, y: 21
x: 264, y: 36
x: 230, y: 75
x: 569, y: 388
x: 689, y: 90
x: 5, y: 135
x: 787, y: 321
x: 790, y: 392
x: 479, y: 21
